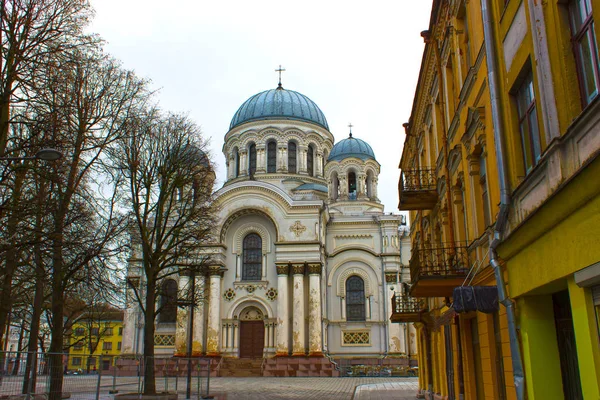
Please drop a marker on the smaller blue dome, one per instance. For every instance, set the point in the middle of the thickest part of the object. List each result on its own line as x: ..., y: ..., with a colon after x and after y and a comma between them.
x: 351, y: 147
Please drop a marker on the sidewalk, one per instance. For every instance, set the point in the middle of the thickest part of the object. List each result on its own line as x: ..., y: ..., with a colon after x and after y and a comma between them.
x: 404, y: 390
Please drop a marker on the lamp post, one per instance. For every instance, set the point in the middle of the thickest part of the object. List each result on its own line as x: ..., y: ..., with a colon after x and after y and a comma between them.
x: 47, y: 154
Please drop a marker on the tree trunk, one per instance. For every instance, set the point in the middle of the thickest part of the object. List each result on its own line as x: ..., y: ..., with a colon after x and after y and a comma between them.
x: 38, y: 298
x: 10, y: 267
x: 17, y: 364
x: 56, y: 343
x: 149, y: 375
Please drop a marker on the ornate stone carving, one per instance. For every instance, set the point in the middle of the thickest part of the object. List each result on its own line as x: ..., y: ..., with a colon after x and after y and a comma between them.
x: 283, y: 269
x: 297, y: 228
x: 315, y: 269
x: 229, y: 294
x: 298, y: 269
x: 252, y: 314
x: 215, y: 270
x: 271, y: 294
x: 356, y: 338
x: 390, y: 278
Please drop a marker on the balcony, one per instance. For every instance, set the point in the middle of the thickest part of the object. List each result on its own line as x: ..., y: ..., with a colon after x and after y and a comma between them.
x: 417, y: 189
x: 436, y: 271
x: 407, y: 309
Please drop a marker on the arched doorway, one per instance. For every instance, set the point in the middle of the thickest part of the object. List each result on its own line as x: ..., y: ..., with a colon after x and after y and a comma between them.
x: 252, y: 333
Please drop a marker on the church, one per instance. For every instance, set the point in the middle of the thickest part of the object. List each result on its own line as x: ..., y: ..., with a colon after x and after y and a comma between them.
x: 305, y: 261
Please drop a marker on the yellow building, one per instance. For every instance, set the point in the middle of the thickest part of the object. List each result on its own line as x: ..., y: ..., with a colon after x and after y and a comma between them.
x: 500, y: 174
x: 95, y: 341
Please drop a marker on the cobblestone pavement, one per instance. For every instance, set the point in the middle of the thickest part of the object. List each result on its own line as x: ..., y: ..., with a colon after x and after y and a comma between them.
x: 313, y: 388
x: 403, y: 390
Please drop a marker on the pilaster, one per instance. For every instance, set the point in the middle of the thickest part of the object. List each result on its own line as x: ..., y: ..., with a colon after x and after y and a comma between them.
x: 315, y: 330
x: 215, y: 274
x: 283, y: 347
x: 298, y: 337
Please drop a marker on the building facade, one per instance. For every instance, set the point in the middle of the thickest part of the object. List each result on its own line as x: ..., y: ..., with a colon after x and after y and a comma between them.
x: 498, y: 173
x: 304, y: 259
x: 95, y: 341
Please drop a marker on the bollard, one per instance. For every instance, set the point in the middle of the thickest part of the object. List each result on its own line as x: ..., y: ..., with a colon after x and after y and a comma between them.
x: 99, y: 371
x: 114, y: 388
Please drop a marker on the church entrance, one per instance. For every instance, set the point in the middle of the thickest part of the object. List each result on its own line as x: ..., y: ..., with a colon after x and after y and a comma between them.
x: 252, y: 333
x: 252, y: 339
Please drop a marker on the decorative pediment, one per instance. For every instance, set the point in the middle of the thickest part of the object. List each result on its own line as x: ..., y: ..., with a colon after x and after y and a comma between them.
x: 475, y: 121
x: 455, y: 158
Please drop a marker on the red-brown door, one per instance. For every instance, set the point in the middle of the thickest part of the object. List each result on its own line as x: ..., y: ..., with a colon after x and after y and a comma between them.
x: 252, y: 339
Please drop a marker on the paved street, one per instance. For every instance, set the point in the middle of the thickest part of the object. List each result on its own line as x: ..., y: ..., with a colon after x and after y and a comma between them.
x: 314, y: 388
x: 84, y: 388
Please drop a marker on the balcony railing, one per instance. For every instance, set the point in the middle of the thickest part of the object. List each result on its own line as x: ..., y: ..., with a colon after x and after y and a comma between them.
x: 406, y: 309
x: 435, y: 271
x: 417, y: 189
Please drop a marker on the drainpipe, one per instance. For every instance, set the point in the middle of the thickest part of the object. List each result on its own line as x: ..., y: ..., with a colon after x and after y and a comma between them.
x: 491, y: 57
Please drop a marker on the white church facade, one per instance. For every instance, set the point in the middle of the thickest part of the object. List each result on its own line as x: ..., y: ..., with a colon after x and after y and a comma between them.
x: 305, y: 261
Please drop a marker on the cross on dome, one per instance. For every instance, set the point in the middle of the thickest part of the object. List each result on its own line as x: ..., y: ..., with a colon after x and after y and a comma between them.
x: 350, y: 126
x: 280, y: 70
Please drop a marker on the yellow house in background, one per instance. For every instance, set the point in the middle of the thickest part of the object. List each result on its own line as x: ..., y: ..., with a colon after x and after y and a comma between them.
x: 500, y: 174
x: 95, y: 341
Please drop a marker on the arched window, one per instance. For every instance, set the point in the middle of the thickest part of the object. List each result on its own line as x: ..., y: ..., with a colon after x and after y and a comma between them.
x: 355, y: 299
x: 310, y: 156
x: 168, y: 301
x: 292, y: 157
x: 352, y: 186
x: 272, y: 156
x: 252, y: 258
x: 252, y: 159
x: 237, y: 162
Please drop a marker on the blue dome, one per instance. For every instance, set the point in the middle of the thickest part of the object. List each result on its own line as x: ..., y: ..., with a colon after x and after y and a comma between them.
x: 351, y: 147
x: 279, y: 104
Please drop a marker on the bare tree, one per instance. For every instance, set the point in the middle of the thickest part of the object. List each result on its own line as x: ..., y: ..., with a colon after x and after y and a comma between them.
x: 29, y: 30
x: 168, y: 179
x: 84, y: 105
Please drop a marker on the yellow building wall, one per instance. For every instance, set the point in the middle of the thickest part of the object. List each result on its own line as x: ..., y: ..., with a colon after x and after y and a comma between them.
x: 83, y: 354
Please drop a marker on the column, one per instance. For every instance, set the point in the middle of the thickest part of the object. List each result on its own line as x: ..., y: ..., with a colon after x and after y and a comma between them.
x: 315, y: 326
x: 412, y: 338
x: 181, y: 327
x: 319, y: 164
x: 198, y: 328
x: 214, y: 311
x: 260, y: 160
x: 283, y: 348
x: 298, y: 348
x: 243, y: 162
x: 238, y: 268
x: 302, y: 160
x: 235, y: 337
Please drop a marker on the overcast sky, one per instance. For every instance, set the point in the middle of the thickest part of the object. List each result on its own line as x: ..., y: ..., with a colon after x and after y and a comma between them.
x: 357, y: 60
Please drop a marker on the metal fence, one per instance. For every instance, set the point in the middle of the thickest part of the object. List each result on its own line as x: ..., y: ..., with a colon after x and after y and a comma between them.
x: 100, y: 376
x: 357, y: 367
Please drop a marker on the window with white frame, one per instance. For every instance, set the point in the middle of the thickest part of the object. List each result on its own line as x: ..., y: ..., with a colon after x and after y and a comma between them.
x: 585, y: 47
x: 528, y: 123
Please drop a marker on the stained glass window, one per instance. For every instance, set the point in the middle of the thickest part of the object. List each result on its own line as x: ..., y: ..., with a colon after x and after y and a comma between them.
x: 168, y: 301
x: 310, y: 161
x: 292, y: 157
x: 355, y: 299
x: 252, y: 258
x: 272, y: 157
x: 252, y: 155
